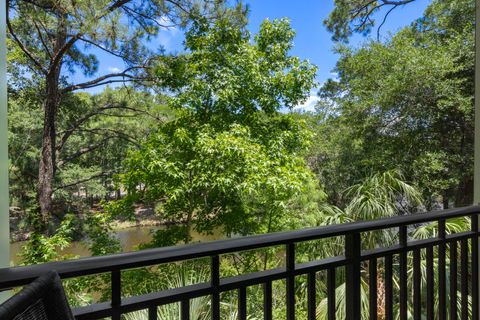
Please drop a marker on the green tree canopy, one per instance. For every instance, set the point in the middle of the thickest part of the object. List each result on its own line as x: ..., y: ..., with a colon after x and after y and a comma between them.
x: 51, y: 40
x: 230, y: 158
x: 408, y: 104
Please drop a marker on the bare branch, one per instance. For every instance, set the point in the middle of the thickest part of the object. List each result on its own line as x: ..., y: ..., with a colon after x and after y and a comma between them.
x: 119, y: 134
x: 100, y: 111
x: 66, y: 134
x: 96, y: 176
x: 383, y: 22
x: 154, y: 20
x: 179, y: 6
x: 96, y: 84
x: 83, y: 151
x: 357, y: 11
x: 45, y: 47
x: 116, y: 54
x: 366, y: 18
x: 397, y: 2
x: 100, y: 80
x: 360, y: 16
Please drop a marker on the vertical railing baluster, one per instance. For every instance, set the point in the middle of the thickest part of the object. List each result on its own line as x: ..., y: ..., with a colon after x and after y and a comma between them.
x: 403, y: 272
x: 152, y: 313
x: 450, y: 300
x: 116, y: 287
x: 290, y: 264
x: 388, y: 287
x: 464, y: 277
x: 331, y: 286
x: 352, y: 253
x: 372, y: 289
x: 430, y: 284
x: 185, y: 309
x: 475, y: 278
x: 312, y: 296
x: 267, y: 300
x: 442, y: 294
x: 417, y: 280
x: 453, y: 280
x: 242, y: 303
x: 215, y: 282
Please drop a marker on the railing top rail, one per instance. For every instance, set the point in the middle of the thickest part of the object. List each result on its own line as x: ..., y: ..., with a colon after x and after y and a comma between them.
x: 16, y: 276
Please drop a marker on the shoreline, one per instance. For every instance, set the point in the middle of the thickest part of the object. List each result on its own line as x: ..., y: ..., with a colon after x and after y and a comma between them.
x: 144, y: 217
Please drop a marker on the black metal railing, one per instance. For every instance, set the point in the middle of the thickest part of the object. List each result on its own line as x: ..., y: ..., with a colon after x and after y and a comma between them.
x: 441, y: 300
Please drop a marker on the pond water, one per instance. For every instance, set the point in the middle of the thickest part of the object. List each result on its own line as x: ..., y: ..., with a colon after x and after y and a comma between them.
x: 129, y: 238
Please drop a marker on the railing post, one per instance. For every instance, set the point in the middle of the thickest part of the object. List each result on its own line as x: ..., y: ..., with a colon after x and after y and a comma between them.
x: 403, y: 237
x: 116, y: 287
x: 184, y: 309
x: 290, y: 257
x: 352, y: 253
x: 475, y: 267
x: 4, y: 202
x: 267, y: 300
x: 442, y: 294
x: 476, y: 152
x: 215, y: 282
x: 312, y: 295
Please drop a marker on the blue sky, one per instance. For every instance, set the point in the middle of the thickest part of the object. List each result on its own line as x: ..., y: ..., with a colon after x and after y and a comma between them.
x: 312, y: 42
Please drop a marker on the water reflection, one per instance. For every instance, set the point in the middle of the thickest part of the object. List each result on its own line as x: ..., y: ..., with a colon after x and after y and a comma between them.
x: 129, y: 239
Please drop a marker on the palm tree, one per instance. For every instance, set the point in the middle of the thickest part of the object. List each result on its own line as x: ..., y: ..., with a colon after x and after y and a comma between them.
x: 184, y: 276
x: 381, y: 195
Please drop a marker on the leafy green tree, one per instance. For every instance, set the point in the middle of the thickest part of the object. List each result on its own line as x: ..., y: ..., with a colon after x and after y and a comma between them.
x: 230, y: 159
x: 51, y: 40
x: 92, y: 143
x: 41, y: 248
x: 407, y: 104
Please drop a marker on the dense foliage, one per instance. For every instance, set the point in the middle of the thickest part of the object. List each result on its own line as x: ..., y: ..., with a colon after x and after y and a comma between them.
x: 206, y: 139
x: 230, y: 159
x: 406, y: 103
x: 49, y: 41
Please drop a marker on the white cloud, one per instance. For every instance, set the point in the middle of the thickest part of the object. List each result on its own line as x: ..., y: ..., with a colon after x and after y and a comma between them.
x: 166, y: 22
x: 309, y: 104
x: 167, y: 33
x: 114, y: 69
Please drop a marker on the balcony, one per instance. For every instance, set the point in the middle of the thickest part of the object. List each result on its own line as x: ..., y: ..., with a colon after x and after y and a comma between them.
x: 447, y: 289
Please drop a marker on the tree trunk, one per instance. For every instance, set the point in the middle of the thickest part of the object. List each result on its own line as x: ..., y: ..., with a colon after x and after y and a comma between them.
x: 464, y: 193
x: 46, y: 172
x: 445, y: 200
x: 47, y: 165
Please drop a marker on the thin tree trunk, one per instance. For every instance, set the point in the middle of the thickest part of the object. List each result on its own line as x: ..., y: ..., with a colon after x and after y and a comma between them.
x: 47, y: 165
x: 446, y: 199
x: 464, y: 194
x: 46, y: 172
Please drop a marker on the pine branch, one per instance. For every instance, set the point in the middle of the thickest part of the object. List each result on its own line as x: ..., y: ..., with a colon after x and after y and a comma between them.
x: 83, y: 151
x: 100, y: 111
x: 21, y: 45
x: 101, y: 80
